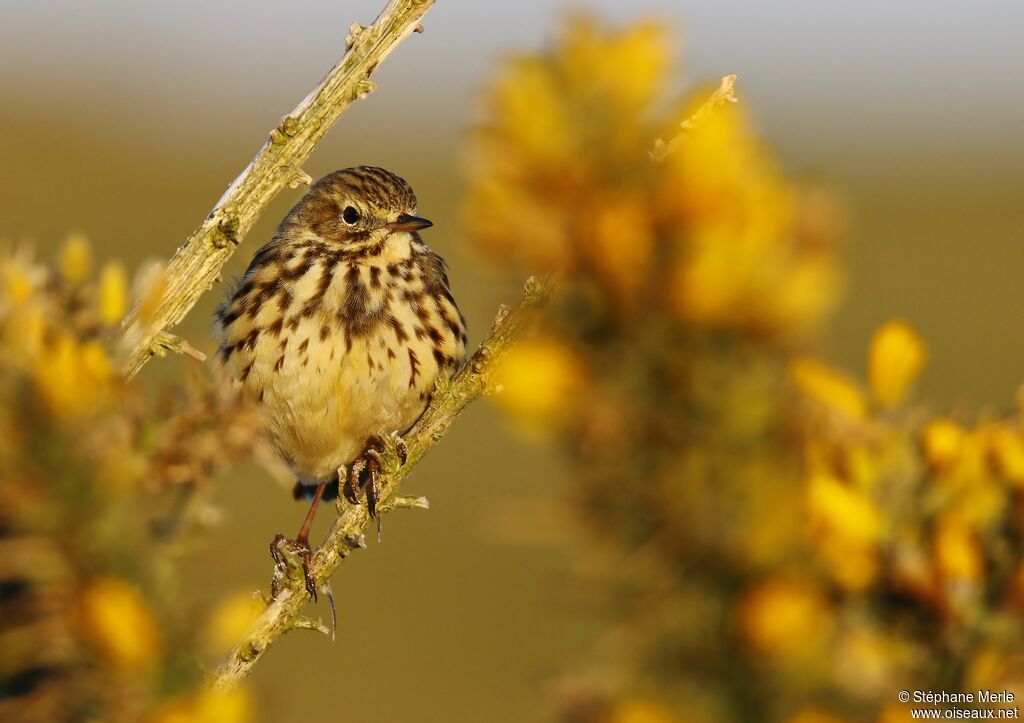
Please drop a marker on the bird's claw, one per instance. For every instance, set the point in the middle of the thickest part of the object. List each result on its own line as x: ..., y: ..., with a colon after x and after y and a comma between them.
x: 372, y: 481
x: 401, y: 448
x: 383, y: 443
x: 350, y: 487
x: 371, y: 461
x: 291, y: 556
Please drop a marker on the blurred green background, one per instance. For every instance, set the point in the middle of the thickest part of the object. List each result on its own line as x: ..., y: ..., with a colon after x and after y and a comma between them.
x: 127, y: 120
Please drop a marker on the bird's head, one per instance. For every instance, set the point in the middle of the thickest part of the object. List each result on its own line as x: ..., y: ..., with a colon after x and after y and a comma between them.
x: 358, y: 205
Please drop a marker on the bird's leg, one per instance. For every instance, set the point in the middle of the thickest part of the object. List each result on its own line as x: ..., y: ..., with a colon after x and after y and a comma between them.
x: 303, y: 536
x: 288, y: 553
x: 302, y: 539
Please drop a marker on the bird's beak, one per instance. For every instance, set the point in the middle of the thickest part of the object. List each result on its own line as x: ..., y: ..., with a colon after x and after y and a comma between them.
x: 405, y: 222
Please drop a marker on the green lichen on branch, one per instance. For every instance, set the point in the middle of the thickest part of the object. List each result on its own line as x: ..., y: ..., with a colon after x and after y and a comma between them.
x: 198, y: 262
x: 473, y: 381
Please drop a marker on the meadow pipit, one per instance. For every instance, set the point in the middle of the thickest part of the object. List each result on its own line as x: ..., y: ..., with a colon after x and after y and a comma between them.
x: 339, y: 330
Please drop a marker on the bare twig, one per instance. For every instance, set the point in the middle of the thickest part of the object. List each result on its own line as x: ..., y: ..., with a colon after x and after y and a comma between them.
x: 197, y: 263
x: 449, y: 399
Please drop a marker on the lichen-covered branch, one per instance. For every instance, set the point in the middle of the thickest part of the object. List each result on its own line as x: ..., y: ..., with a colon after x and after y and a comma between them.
x: 198, y: 262
x: 348, y: 532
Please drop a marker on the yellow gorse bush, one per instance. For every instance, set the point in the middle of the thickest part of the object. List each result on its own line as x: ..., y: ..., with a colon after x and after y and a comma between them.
x: 790, y: 543
x: 562, y: 180
x: 97, y: 484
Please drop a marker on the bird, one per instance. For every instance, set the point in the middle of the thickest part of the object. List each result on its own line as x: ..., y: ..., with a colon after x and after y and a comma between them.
x: 338, y: 332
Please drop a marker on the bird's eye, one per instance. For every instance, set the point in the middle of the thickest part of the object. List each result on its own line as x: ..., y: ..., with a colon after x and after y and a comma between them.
x: 350, y: 215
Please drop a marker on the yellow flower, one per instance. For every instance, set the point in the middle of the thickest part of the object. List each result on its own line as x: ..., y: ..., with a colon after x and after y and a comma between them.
x: 73, y: 378
x: 116, y: 618
x: 807, y: 292
x: 784, y: 617
x: 943, y: 443
x: 836, y: 509
x: 1007, y: 450
x: 529, y: 105
x: 831, y: 389
x: 76, y: 259
x: 740, y: 259
x: 846, y: 527
x: 957, y: 551
x: 17, y: 278
x: 539, y: 380
x: 896, y: 357
x: 231, y: 619
x: 208, y: 706
x: 113, y: 294
x: 625, y: 68
x: 25, y: 334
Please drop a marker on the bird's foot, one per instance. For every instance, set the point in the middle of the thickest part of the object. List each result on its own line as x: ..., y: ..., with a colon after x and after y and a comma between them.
x: 395, y: 441
x: 292, y: 558
x: 364, y: 474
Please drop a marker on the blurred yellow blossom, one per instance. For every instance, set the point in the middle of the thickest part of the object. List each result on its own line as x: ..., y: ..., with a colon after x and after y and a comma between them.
x: 1007, y: 449
x: 76, y: 259
x: 838, y: 510
x: 957, y: 553
x: 743, y: 235
x: 539, y: 380
x: 209, y: 706
x: 113, y: 294
x: 846, y: 526
x: 625, y: 67
x: 230, y: 620
x: 73, y: 377
x: 785, y: 617
x: 118, y: 621
x: 829, y: 388
x: 896, y: 358
x: 16, y: 278
x: 943, y: 443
